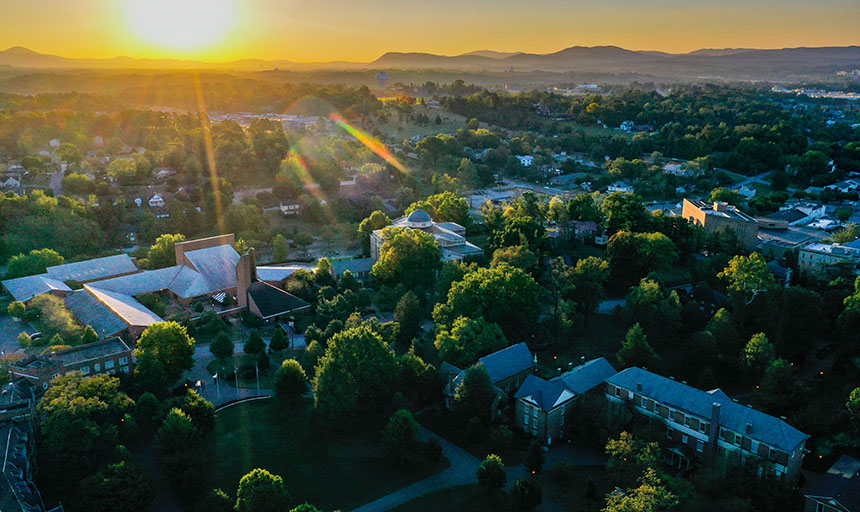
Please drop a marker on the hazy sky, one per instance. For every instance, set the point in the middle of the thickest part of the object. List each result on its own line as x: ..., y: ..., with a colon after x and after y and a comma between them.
x: 317, y: 30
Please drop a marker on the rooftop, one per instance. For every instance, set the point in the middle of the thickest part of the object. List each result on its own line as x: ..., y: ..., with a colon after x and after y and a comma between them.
x: 272, y: 301
x: 508, y: 361
x: 722, y: 210
x: 587, y: 376
x: 841, y: 484
x: 89, y: 351
x: 91, y: 270
x: 734, y: 416
x: 25, y: 288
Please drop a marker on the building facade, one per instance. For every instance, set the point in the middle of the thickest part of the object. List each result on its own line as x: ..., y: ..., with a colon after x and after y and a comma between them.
x: 708, y: 427
x: 718, y: 216
x: 109, y: 356
x: 450, y: 236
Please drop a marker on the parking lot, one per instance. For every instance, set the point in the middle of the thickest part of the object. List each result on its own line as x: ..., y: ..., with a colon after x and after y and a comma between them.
x: 9, y: 331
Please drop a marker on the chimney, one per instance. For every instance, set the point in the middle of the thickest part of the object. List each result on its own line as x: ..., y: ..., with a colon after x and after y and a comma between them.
x: 749, y: 428
x: 714, y: 434
x: 639, y: 386
x: 244, y: 273
x: 719, y: 206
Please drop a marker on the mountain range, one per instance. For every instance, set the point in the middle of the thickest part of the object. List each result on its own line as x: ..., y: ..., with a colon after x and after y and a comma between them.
x: 729, y: 63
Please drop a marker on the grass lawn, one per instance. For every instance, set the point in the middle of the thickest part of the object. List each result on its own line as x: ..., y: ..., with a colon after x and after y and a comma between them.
x: 444, y: 425
x: 571, y: 493
x: 331, y: 471
x: 461, y: 498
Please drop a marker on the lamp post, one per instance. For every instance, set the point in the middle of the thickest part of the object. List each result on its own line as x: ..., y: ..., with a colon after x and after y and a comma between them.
x: 257, y: 371
x: 236, y: 373
x: 217, y: 386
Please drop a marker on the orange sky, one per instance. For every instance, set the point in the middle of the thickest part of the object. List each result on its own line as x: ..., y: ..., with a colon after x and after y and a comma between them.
x: 325, y: 30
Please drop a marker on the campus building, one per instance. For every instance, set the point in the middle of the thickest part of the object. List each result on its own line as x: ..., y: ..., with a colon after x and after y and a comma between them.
x: 110, y: 356
x: 718, y: 216
x: 707, y: 427
x: 450, y: 236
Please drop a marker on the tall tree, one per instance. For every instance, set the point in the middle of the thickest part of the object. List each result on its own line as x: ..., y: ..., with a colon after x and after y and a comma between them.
x: 169, y: 344
x: 120, y: 487
x: 162, y: 253
x: 635, y: 350
x: 408, y: 315
x: 261, y: 491
x: 408, y: 256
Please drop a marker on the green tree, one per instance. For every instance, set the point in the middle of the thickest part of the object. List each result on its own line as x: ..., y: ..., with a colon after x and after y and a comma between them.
x: 16, y: 309
x: 168, y: 344
x: 632, y: 255
x: 216, y: 500
x: 400, y: 438
x: 408, y: 314
x: 468, y: 339
x: 162, y: 253
x: 376, y: 220
x: 68, y: 153
x: 517, y: 256
x: 491, y: 473
x: 255, y: 344
x: 629, y: 456
x: 177, y: 432
x: 650, y: 496
x: 504, y: 295
x: 635, y: 350
x: 748, y: 276
x: 525, y: 495
x: 290, y: 380
x: 55, y: 318
x: 355, y: 374
x: 79, y: 419
x: 779, y: 390
x: 625, y: 212
x: 758, y: 352
x: 279, y: 341
x: 408, y: 256
x: 444, y: 207
x: 34, y: 262
x: 79, y: 184
x: 89, y: 335
x: 474, y: 395
x: 583, y: 208
x: 261, y: 491
x: 222, y: 346
x: 535, y: 457
x: 280, y: 248
x: 722, y: 326
x: 587, y: 279
x: 120, y: 487
x: 200, y: 410
x: 853, y: 406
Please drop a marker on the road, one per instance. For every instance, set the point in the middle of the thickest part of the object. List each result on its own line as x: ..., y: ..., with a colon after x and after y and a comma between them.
x: 222, y: 393
x: 758, y: 178
x: 57, y: 183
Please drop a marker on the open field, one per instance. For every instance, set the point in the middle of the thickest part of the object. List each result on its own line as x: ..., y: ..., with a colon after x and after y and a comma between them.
x: 330, y: 470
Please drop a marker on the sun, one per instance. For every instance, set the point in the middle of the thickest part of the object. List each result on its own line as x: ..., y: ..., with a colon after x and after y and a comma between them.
x: 181, y: 25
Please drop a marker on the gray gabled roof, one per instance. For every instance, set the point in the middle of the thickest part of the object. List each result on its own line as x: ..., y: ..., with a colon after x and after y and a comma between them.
x: 508, y: 362
x: 355, y: 266
x: 587, y: 376
x: 734, y: 416
x: 90, y: 270
x: 25, y: 288
x: 841, y: 484
x: 547, y: 394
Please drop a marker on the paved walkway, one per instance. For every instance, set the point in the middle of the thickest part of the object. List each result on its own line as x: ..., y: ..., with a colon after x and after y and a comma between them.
x: 222, y: 393
x: 463, y: 468
x: 461, y: 472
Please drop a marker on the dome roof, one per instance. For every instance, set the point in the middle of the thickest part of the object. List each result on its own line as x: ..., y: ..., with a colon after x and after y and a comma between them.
x: 418, y: 217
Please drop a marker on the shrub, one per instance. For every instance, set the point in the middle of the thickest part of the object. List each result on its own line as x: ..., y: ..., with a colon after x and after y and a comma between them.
x: 491, y: 472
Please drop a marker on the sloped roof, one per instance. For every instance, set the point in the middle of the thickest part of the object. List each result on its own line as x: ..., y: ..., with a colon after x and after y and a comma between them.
x: 419, y: 215
x: 508, y: 362
x: 272, y: 301
x: 586, y: 376
x: 275, y: 273
x: 147, y: 281
x: 90, y: 311
x: 25, y: 288
x: 91, y: 351
x: 841, y: 484
x: 547, y: 394
x: 355, y: 266
x: 91, y: 270
x: 126, y: 307
x: 217, y: 265
x: 734, y: 416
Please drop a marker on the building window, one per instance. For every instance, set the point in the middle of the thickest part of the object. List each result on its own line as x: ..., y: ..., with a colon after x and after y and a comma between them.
x: 526, y: 416
x: 688, y: 421
x: 724, y: 434
x: 668, y: 433
x: 819, y: 507
x: 85, y: 370
x: 123, y: 360
x: 684, y: 439
x: 109, y: 364
x: 97, y: 367
x: 700, y: 445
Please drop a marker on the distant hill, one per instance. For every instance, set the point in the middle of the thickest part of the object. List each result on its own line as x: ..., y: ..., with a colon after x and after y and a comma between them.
x: 709, y: 63
x: 492, y: 54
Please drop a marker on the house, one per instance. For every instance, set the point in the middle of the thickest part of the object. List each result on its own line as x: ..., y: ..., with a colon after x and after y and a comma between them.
x: 619, y: 186
x: 360, y: 268
x: 291, y: 208
x: 626, y: 126
x: 844, y: 186
x: 584, y: 230
x: 10, y: 182
x: 747, y: 191
x: 544, y: 408
x: 54, y: 143
x: 817, y: 258
x: 156, y: 201
x: 526, y: 160
x: 450, y: 236
x: 109, y: 356
x: 707, y: 427
x: 276, y: 274
x: 718, y: 216
x: 162, y: 173
x: 838, y: 490
x: 508, y: 369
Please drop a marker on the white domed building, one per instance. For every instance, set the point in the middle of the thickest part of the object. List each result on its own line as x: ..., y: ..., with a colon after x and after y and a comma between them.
x: 450, y: 236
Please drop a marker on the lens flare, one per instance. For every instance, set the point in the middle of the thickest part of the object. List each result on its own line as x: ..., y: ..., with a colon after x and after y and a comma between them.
x: 370, y: 141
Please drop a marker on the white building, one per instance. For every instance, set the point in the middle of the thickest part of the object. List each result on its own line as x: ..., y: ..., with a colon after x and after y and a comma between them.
x: 156, y: 201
